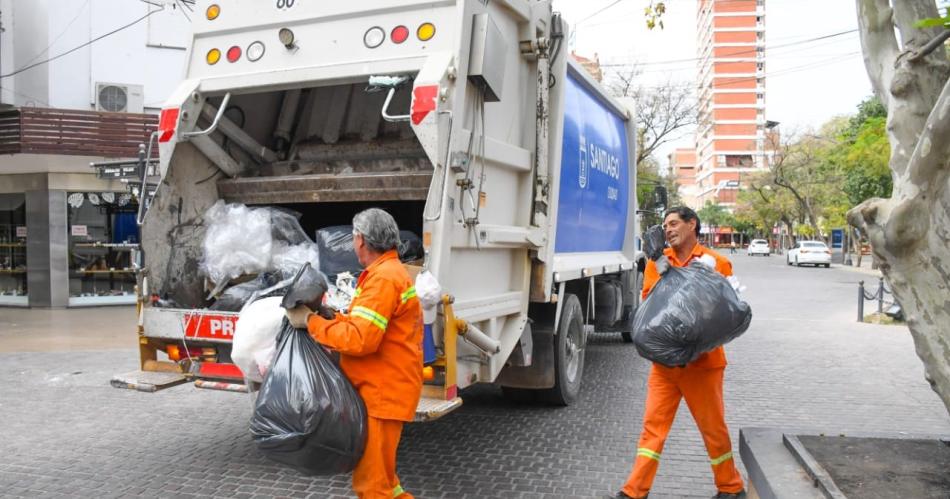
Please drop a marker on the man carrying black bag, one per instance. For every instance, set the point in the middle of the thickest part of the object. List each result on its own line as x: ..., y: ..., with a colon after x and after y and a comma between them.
x: 380, y: 345
x: 699, y: 382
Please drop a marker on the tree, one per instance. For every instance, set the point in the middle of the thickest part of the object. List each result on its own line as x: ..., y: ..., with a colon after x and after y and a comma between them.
x: 715, y: 215
x: 908, y: 231
x: 664, y: 114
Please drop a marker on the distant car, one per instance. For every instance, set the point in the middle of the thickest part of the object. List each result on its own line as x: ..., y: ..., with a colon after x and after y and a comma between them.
x: 809, y: 253
x: 759, y: 247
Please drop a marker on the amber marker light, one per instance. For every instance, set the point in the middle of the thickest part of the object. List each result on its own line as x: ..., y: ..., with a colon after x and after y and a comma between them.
x: 214, y: 55
x: 213, y: 12
x: 425, y: 32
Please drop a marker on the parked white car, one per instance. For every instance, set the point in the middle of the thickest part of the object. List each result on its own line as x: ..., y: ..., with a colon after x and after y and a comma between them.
x: 759, y: 247
x: 809, y: 253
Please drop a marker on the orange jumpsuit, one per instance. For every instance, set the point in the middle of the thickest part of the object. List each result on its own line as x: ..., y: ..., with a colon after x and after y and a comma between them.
x: 700, y: 383
x: 380, y: 345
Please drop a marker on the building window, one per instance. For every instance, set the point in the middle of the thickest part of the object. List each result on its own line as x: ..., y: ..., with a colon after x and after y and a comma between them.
x: 739, y: 160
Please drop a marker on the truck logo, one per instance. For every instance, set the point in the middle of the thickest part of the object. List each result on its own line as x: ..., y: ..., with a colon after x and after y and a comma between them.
x: 582, y: 171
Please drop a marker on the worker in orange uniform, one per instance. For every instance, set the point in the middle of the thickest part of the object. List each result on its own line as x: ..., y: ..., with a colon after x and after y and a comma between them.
x: 380, y: 345
x: 699, y: 382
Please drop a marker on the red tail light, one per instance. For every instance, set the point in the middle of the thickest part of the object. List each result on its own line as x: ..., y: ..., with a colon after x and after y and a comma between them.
x: 167, y: 121
x: 234, y: 53
x: 399, y: 34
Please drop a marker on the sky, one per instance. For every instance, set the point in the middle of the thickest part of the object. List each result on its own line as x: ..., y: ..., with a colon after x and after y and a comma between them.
x: 807, y: 82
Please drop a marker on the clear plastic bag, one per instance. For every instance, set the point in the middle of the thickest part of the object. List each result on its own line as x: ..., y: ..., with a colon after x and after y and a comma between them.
x: 691, y: 310
x: 237, y: 241
x: 240, y: 240
x: 308, y: 415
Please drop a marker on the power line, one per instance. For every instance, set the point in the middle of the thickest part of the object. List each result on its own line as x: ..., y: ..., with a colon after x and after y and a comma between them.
x: 615, y: 2
x: 90, y: 42
x: 60, y: 35
x: 744, y: 52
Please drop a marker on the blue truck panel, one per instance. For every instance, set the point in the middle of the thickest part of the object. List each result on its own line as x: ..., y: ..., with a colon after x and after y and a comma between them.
x: 593, y: 197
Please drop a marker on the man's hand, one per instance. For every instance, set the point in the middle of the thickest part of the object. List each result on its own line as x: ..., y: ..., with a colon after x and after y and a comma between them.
x: 298, y: 316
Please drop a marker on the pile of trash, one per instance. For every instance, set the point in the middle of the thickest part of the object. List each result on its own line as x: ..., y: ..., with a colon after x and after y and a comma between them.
x: 241, y: 241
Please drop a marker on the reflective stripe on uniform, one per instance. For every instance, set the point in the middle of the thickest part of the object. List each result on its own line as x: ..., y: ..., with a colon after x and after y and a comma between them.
x: 398, y: 491
x: 643, y: 451
x: 409, y: 293
x: 370, y: 315
x: 357, y: 292
x: 721, y: 459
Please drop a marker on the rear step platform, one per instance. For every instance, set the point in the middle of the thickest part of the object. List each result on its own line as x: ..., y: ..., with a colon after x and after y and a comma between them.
x: 147, y: 381
x: 430, y: 409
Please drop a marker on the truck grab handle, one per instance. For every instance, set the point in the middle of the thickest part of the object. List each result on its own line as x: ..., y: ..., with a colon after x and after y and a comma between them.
x: 392, y: 83
x: 214, y: 124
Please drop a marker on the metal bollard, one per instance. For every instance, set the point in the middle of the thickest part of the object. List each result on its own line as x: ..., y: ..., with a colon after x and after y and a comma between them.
x: 861, y: 301
x: 880, y: 295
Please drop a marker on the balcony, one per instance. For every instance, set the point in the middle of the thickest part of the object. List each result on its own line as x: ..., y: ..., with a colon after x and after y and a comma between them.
x: 75, y: 133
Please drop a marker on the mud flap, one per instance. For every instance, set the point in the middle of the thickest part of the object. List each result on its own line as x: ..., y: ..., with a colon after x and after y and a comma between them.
x: 540, y: 374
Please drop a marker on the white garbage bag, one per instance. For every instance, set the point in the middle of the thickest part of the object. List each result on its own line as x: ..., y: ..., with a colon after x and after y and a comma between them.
x: 255, y: 337
x: 429, y: 292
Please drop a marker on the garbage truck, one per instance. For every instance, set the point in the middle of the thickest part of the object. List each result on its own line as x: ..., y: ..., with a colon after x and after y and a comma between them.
x: 466, y: 120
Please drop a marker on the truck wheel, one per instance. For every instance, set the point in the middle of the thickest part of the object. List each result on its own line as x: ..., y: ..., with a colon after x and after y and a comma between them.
x: 568, y: 354
x: 627, y: 336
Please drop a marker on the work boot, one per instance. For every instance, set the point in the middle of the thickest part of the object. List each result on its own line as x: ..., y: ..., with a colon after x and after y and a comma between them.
x: 729, y: 495
x: 621, y: 495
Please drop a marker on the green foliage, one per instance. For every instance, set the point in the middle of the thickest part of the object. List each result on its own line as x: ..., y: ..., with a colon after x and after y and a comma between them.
x: 864, y: 153
x: 716, y: 215
x: 933, y: 22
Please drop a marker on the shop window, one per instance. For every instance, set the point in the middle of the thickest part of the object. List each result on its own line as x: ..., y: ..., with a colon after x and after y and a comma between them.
x: 13, y: 284
x: 103, y: 245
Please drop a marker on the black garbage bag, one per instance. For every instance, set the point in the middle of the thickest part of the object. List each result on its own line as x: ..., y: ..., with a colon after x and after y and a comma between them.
x: 335, y: 247
x: 234, y: 298
x: 307, y: 414
x: 691, y: 310
x: 285, y: 226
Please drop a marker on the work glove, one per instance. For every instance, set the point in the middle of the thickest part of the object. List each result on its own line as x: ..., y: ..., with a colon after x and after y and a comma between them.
x: 298, y: 316
x: 654, y: 241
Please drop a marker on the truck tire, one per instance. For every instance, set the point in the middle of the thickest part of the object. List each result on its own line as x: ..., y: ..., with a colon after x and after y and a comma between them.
x: 627, y: 336
x: 568, y: 354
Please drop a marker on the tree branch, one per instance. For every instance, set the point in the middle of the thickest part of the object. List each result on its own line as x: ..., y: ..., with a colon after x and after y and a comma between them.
x: 932, y: 45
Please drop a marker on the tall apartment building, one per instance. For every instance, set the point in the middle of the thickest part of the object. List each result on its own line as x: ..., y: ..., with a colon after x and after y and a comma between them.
x: 683, y: 169
x: 731, y: 138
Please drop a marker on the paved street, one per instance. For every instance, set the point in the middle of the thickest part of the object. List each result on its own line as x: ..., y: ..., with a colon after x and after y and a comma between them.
x: 804, y: 363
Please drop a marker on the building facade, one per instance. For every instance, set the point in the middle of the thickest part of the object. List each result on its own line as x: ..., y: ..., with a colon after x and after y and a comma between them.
x: 731, y: 139
x: 683, y: 169
x: 71, y: 94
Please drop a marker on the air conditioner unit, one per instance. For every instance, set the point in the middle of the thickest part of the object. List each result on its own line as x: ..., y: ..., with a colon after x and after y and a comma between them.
x: 119, y: 97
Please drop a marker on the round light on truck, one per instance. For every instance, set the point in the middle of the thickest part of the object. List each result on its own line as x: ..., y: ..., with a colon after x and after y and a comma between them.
x: 234, y: 53
x: 399, y: 34
x: 214, y: 55
x: 425, y: 32
x: 374, y: 37
x: 213, y: 12
x: 255, y: 51
x: 286, y: 37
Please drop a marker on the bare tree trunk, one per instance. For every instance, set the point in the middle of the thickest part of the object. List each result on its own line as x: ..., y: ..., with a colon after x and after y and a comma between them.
x: 910, y: 232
